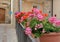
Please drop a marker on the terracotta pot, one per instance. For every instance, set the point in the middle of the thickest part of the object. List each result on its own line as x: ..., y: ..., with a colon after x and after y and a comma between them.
x: 51, y: 37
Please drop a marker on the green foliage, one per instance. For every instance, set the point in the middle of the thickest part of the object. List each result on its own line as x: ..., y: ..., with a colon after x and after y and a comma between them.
x: 57, y: 29
x: 48, y: 27
x: 33, y: 22
x: 24, y: 22
x: 37, y: 32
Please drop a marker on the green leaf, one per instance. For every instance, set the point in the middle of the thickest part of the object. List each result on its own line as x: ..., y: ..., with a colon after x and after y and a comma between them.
x: 37, y: 32
x: 33, y: 23
x: 37, y: 35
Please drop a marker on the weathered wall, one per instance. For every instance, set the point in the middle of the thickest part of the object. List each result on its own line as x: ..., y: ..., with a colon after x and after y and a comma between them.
x: 45, y: 6
x: 56, y: 8
x: 7, y: 31
x: 27, y: 6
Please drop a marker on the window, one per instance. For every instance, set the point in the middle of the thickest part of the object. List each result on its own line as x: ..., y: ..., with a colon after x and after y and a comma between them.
x: 2, y: 15
x: 5, y: 14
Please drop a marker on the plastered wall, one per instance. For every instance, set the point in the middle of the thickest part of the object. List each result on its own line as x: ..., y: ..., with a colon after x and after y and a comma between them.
x: 56, y: 8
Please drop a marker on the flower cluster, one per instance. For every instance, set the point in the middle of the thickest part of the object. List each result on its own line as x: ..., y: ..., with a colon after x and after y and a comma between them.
x: 37, y: 23
x: 54, y: 21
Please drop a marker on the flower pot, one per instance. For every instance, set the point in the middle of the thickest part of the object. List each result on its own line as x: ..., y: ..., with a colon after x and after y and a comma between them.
x: 51, y: 37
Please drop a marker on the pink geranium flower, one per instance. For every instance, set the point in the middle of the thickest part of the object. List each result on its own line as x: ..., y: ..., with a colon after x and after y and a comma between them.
x: 57, y: 23
x: 40, y: 17
x: 32, y: 15
x: 39, y: 26
x: 21, y: 20
x: 52, y: 19
x: 28, y: 31
x: 35, y: 10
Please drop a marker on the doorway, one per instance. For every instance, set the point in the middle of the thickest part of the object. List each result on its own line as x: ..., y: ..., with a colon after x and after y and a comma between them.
x: 2, y: 15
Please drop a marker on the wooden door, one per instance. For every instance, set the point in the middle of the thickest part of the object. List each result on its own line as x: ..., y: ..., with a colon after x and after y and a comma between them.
x: 2, y: 15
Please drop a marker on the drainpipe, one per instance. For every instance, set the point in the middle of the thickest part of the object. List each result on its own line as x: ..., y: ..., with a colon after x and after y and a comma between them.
x: 52, y: 8
x: 20, y: 4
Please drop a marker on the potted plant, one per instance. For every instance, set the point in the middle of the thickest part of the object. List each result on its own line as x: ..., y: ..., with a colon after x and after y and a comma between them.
x: 37, y: 24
